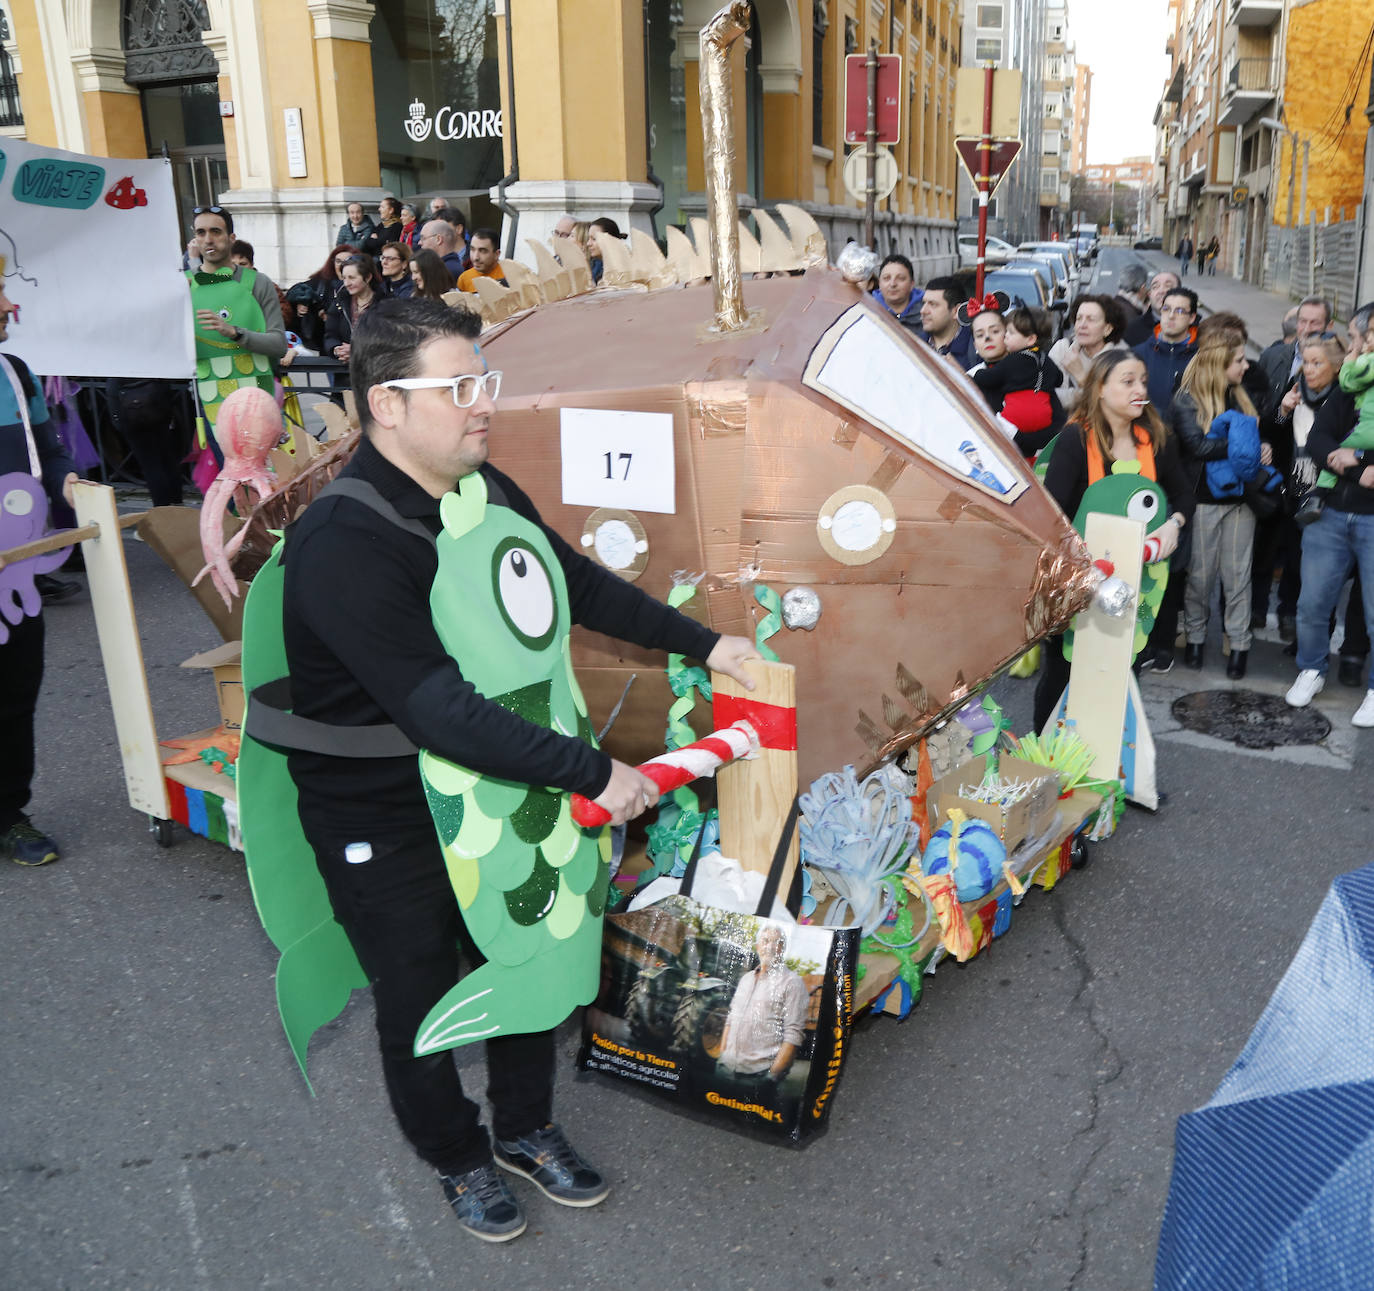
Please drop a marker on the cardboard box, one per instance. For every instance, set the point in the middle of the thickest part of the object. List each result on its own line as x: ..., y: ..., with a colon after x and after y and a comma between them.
x: 224, y: 663
x: 1025, y: 819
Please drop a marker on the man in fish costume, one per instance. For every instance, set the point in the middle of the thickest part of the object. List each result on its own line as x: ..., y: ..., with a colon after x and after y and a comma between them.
x: 238, y: 322
x: 435, y: 732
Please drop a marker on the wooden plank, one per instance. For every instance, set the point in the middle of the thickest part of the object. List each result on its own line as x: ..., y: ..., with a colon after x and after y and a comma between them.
x: 757, y: 794
x: 121, y: 650
x: 1103, y: 646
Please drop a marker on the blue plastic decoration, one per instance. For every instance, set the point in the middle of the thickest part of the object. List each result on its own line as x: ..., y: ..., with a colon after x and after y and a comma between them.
x: 971, y: 850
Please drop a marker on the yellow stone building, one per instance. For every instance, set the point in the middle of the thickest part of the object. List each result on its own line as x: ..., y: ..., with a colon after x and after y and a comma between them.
x: 286, y: 110
x: 1326, y: 65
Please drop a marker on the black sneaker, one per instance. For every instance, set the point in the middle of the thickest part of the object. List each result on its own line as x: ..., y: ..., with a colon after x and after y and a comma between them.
x: 1163, y: 661
x: 53, y: 589
x: 484, y: 1204
x: 25, y: 845
x: 550, y: 1161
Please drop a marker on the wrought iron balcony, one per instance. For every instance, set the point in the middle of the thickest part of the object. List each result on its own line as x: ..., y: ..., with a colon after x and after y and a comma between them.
x: 1250, y: 85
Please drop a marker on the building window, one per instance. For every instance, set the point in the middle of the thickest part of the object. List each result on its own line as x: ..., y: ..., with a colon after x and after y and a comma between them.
x: 1056, y: 67
x: 11, y: 110
x: 851, y: 36
x: 1051, y: 143
x: 992, y: 207
x: 987, y: 49
x: 820, y: 24
x: 1049, y: 182
x: 990, y: 15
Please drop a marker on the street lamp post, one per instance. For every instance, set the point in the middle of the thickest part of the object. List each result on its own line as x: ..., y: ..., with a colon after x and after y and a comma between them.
x: 1293, y: 137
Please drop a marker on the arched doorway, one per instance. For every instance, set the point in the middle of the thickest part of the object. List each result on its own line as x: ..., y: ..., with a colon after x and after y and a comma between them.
x: 177, y: 80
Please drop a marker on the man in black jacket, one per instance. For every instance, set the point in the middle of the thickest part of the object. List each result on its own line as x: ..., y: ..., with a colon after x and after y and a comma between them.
x: 1142, y: 328
x: 1281, y: 363
x: 28, y: 447
x: 363, y: 650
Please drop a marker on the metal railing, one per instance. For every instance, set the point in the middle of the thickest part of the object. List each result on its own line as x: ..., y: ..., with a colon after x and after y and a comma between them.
x: 1252, y: 75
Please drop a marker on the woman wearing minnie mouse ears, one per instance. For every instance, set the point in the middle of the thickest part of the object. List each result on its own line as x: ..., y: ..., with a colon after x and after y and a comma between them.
x: 1018, y: 381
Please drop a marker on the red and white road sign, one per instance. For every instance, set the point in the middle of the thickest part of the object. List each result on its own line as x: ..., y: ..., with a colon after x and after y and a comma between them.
x: 889, y: 106
x: 1001, y: 156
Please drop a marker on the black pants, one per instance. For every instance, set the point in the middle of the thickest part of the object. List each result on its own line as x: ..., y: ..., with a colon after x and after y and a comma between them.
x: 1054, y: 676
x: 402, y: 918
x: 154, y: 424
x: 21, y: 675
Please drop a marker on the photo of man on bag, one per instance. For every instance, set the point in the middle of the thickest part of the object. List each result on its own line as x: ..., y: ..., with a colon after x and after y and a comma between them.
x: 767, y: 1018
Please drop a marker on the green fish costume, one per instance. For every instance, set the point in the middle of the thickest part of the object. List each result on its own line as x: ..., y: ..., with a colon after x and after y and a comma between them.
x: 223, y: 365
x: 531, y: 884
x: 1125, y: 492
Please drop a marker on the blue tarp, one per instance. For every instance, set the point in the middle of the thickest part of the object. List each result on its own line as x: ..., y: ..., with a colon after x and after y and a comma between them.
x: 1273, y: 1183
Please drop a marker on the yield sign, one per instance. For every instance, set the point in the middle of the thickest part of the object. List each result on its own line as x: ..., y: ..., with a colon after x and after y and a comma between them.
x: 1003, y: 153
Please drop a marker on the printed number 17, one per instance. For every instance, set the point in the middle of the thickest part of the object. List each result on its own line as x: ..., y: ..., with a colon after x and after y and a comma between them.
x: 619, y: 457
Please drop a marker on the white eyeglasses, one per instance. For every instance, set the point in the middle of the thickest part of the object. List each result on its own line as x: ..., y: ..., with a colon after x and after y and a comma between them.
x: 465, y: 388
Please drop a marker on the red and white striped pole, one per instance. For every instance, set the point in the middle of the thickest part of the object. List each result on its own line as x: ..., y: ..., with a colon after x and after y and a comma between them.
x: 672, y: 770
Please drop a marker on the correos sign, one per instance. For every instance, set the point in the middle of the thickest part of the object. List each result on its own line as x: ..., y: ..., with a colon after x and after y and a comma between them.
x: 451, y: 123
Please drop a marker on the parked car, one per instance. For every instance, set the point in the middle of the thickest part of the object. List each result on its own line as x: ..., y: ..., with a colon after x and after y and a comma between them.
x: 998, y: 251
x: 1050, y: 269
x: 1086, y: 242
x: 1024, y: 286
x: 1150, y: 244
x: 1065, y: 252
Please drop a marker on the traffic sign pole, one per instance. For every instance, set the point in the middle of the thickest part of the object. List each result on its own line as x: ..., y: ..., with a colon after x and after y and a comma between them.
x: 984, y: 181
x: 871, y: 144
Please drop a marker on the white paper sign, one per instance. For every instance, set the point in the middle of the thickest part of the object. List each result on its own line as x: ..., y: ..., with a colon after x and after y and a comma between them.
x: 618, y: 459
x: 92, y: 256
x: 295, y: 143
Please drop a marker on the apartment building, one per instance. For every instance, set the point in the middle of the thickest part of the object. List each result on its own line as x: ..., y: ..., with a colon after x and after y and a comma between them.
x: 1010, y: 34
x: 1258, y: 124
x: 1082, y: 114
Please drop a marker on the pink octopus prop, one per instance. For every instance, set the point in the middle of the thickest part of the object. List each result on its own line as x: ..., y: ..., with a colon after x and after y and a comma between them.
x: 248, y: 428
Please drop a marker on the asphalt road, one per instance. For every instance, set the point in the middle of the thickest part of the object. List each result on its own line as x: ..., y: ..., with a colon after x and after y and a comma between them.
x: 1014, y: 1133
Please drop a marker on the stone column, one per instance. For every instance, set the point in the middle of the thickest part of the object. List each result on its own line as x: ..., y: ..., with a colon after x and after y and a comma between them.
x: 273, y: 57
x: 580, y: 121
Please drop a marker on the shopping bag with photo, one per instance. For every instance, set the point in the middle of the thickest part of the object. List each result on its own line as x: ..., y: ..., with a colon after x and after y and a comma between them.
x: 738, y: 1015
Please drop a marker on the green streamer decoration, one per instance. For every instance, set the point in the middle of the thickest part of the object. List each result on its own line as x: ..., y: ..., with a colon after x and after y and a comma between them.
x: 680, y: 816
x: 771, y: 623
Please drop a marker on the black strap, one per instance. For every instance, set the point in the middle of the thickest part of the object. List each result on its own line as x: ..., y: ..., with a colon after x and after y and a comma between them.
x: 269, y: 720
x: 705, y: 801
x: 361, y: 491
x: 770, y: 884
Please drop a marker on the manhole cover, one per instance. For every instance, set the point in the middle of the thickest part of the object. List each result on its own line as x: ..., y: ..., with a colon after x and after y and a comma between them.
x: 1247, y: 718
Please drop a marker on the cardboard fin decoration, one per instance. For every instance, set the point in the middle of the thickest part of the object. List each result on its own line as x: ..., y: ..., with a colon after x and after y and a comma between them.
x: 701, y: 240
x: 777, y: 255
x: 554, y: 280
x: 750, y: 253
x: 618, y: 268
x: 498, y: 302
x: 807, y: 239
x: 318, y: 968
x: 575, y: 262
x: 523, y: 282
x: 682, y: 255
x: 651, y: 266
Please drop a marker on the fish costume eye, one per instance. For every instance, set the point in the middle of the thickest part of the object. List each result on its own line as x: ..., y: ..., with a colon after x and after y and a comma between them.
x: 1143, y: 506
x: 224, y: 314
x: 524, y: 593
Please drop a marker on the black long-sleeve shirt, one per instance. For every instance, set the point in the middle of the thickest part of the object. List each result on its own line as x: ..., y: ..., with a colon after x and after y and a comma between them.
x: 1335, y: 419
x: 1066, y: 477
x: 362, y: 650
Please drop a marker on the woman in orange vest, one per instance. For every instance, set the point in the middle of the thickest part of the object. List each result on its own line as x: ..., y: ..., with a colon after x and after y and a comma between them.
x: 1113, y: 422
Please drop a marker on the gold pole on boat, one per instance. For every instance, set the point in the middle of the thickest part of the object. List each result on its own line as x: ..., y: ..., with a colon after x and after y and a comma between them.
x: 717, y: 124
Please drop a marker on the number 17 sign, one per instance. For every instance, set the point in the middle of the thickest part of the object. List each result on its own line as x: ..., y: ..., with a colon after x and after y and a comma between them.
x: 617, y: 459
